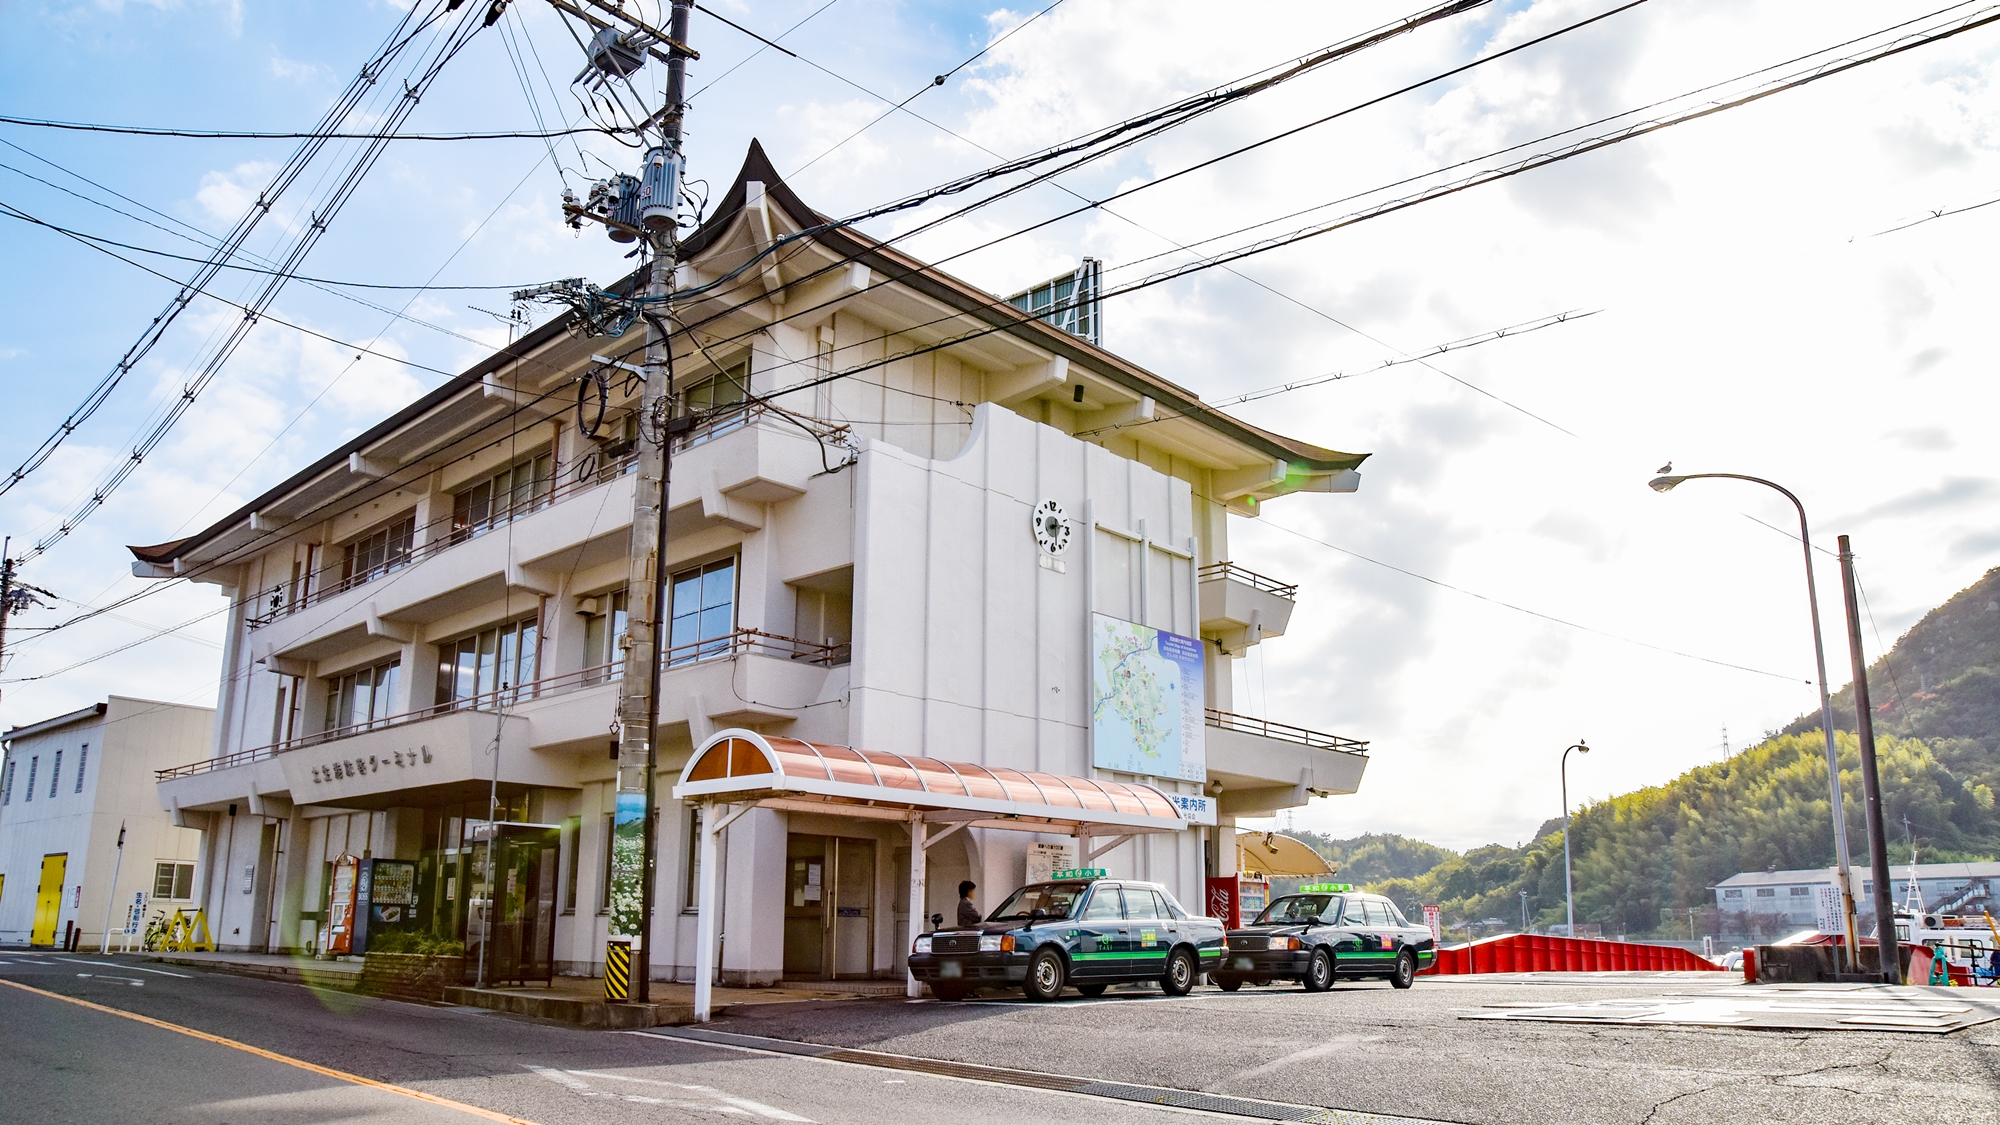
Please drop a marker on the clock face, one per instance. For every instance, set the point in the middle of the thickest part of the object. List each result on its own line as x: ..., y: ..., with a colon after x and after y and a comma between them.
x: 1051, y: 528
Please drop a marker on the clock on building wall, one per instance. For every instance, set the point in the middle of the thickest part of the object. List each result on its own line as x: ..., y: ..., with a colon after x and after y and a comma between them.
x: 1051, y: 527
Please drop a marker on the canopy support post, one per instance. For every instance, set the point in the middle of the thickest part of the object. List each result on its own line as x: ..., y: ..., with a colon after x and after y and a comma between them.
x: 1086, y: 854
x: 919, y: 831
x: 713, y: 821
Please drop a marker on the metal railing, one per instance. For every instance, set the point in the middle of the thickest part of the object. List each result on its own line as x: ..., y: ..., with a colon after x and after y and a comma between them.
x: 445, y: 532
x: 679, y: 656
x: 1231, y: 572
x: 1285, y: 732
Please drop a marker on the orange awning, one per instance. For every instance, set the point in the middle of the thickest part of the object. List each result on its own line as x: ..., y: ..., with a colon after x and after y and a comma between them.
x: 741, y: 766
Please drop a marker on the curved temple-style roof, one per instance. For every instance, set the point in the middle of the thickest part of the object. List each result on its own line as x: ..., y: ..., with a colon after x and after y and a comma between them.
x: 743, y: 766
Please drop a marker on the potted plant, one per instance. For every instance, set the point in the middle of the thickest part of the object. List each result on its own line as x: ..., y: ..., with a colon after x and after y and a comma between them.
x: 411, y: 964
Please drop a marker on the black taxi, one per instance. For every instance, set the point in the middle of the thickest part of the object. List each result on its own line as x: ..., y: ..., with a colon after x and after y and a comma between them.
x: 1322, y: 932
x: 1079, y: 929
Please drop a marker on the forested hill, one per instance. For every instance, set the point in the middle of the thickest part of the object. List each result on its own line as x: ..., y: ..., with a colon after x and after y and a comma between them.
x: 1941, y: 680
x: 1644, y: 859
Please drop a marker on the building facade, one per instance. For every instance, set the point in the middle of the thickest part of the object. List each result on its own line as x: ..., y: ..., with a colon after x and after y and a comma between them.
x: 910, y: 558
x: 1941, y: 888
x: 68, y: 785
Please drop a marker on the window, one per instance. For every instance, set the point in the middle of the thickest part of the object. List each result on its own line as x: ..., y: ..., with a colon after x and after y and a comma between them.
x: 362, y: 698
x: 55, y: 773
x: 1799, y: 892
x: 691, y: 890
x: 82, y: 763
x: 573, y: 829
x: 604, y: 638
x: 173, y: 880
x: 507, y: 495
x: 1395, y: 915
x: 704, y: 615
x: 34, y: 763
x: 1103, y: 905
x: 1378, y: 914
x: 285, y: 716
x: 374, y: 555
x: 1767, y: 892
x: 604, y: 887
x: 719, y: 391
x: 1733, y: 892
x: 471, y: 670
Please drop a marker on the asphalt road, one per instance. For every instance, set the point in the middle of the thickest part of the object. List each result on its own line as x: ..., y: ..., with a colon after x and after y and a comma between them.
x: 61, y: 1061
x: 1367, y: 1047
x: 1363, y: 1048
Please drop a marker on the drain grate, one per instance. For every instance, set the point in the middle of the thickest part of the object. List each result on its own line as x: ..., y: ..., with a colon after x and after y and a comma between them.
x: 1254, y: 1108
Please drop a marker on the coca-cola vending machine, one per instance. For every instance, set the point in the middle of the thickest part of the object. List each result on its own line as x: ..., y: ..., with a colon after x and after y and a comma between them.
x: 1224, y: 902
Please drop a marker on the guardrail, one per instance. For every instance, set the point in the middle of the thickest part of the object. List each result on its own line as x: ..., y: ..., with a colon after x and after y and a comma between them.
x: 694, y: 652
x: 1214, y: 572
x: 446, y: 531
x: 1285, y: 732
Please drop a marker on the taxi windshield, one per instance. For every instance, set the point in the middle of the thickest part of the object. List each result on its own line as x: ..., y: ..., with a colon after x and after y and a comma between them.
x: 1295, y: 909
x: 1054, y: 900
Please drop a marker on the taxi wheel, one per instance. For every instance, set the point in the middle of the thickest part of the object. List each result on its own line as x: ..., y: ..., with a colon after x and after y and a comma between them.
x: 1319, y: 974
x: 1178, y: 980
x: 1046, y: 976
x: 1091, y: 989
x: 1406, y: 970
x: 1226, y: 984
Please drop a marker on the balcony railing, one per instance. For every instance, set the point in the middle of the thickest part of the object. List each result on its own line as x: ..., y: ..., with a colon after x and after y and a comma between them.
x: 446, y: 531
x: 1285, y: 732
x: 1231, y: 572
x: 499, y: 699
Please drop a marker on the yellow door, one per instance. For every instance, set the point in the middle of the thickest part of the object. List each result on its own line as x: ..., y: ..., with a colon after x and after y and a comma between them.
x: 48, y: 899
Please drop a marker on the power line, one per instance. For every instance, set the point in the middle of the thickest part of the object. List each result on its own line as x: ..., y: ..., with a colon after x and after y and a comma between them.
x: 248, y: 135
x: 345, y: 184
x: 902, y: 105
x: 1886, y: 49
x: 85, y: 236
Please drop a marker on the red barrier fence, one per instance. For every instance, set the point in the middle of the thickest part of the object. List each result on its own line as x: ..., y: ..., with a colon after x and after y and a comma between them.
x: 1534, y: 953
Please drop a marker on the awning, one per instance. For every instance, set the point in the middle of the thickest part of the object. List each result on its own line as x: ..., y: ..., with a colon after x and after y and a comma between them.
x: 739, y: 766
x: 734, y: 771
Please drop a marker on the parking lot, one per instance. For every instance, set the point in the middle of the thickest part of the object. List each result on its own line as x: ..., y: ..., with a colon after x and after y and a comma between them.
x: 1365, y: 1047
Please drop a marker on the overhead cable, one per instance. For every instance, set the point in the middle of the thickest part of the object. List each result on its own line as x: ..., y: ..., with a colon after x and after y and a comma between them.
x: 252, y: 135
x: 345, y: 181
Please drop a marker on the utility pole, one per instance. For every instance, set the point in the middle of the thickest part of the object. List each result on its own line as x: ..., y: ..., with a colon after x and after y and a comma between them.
x: 636, y: 827
x: 111, y: 899
x: 1888, y: 960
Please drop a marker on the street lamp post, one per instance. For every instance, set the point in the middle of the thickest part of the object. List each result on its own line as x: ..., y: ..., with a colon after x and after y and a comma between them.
x: 1569, y: 886
x: 1524, y: 912
x: 1843, y: 874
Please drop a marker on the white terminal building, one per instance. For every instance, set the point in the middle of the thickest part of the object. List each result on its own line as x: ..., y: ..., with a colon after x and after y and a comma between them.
x: 69, y: 786
x: 979, y: 592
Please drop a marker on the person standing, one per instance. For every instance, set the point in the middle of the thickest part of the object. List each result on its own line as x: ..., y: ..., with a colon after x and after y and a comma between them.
x: 968, y: 914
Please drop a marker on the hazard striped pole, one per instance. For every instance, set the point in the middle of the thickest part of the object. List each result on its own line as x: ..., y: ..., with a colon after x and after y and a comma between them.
x: 617, y: 970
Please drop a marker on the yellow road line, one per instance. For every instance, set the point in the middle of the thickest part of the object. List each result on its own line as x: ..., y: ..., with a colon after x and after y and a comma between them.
x: 405, y: 1091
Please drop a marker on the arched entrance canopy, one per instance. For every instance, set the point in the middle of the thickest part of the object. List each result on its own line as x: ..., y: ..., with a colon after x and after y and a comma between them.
x: 739, y: 766
x: 742, y: 770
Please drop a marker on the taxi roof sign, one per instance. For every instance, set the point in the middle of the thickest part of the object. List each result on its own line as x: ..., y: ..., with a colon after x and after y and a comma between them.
x: 1326, y: 888
x: 1078, y: 873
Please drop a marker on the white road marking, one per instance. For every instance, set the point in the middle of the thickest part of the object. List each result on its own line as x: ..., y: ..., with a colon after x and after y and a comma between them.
x: 730, y: 1105
x: 133, y: 981
x: 128, y: 968
x: 745, y: 1104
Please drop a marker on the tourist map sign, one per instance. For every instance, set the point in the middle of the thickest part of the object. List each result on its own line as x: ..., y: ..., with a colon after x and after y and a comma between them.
x: 1146, y: 701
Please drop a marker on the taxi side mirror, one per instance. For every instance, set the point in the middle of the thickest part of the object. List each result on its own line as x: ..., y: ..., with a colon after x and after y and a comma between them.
x: 937, y: 920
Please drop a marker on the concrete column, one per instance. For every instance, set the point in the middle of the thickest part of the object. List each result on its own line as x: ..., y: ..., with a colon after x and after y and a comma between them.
x: 919, y: 841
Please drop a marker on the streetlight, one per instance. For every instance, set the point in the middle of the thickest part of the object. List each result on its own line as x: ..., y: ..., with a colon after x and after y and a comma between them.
x: 1524, y: 912
x: 1569, y: 887
x: 1844, y: 874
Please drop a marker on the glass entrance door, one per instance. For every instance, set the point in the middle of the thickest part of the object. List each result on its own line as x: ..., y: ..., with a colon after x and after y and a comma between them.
x: 829, y: 907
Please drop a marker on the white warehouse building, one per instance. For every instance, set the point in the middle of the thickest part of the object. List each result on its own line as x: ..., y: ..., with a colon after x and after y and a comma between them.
x: 855, y: 582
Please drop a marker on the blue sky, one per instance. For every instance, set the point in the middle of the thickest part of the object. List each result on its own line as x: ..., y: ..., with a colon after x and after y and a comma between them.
x: 1753, y: 321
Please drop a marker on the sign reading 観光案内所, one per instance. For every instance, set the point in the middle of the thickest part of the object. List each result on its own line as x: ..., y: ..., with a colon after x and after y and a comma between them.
x: 1146, y: 701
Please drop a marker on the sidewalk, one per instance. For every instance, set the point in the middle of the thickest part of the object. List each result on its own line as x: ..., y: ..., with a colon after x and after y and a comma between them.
x: 578, y: 1001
